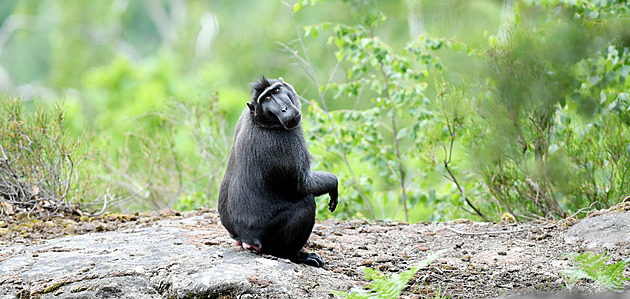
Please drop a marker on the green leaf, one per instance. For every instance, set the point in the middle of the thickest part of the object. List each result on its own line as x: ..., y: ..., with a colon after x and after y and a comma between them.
x: 594, y: 80
x: 402, y: 133
x: 458, y: 46
x: 371, y: 274
x: 297, y: 7
x: 623, y: 73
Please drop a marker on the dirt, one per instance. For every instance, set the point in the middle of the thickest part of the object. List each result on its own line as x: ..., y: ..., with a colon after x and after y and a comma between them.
x: 485, y: 260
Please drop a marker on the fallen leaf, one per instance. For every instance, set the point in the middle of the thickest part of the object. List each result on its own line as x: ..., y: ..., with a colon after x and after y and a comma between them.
x: 6, y: 207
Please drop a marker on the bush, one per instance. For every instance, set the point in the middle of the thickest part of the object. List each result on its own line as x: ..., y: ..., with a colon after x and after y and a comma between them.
x: 553, y: 110
x: 40, y: 163
x: 537, y: 125
x: 161, y: 146
x: 174, y: 158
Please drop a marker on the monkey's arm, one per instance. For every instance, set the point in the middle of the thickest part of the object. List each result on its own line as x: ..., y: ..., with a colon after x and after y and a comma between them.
x: 319, y: 183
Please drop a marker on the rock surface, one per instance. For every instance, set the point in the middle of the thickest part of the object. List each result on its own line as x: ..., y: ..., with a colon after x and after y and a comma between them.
x: 168, y: 259
x: 190, y: 256
x: 608, y: 231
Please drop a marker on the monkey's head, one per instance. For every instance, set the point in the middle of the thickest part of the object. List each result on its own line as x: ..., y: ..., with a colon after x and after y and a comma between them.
x: 275, y: 104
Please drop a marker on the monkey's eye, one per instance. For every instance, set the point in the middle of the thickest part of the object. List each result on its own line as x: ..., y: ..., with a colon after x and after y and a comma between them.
x: 267, y: 99
x: 276, y: 91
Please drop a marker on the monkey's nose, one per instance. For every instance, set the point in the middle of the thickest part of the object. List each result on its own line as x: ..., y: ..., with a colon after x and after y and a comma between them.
x: 285, y: 109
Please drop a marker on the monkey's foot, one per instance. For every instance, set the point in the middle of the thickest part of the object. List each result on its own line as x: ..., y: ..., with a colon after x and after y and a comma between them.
x: 236, y: 242
x: 251, y: 247
x: 308, y: 258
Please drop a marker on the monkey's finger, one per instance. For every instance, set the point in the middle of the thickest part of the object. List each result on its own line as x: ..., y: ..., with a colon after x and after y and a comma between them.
x: 332, y: 204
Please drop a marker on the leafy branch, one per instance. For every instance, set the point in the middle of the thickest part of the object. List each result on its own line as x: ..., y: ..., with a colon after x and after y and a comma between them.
x: 452, y: 122
x: 394, y: 131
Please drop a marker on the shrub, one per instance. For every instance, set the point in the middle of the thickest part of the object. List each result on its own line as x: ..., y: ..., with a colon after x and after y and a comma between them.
x: 537, y: 125
x: 40, y: 162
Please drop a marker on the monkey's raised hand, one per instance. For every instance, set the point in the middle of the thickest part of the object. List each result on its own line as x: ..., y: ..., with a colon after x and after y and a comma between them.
x: 332, y: 204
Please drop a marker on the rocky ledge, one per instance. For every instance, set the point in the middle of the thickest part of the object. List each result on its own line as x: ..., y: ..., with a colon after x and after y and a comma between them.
x: 190, y: 256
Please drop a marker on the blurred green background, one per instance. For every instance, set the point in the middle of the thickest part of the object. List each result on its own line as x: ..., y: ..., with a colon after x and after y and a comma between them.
x: 426, y: 110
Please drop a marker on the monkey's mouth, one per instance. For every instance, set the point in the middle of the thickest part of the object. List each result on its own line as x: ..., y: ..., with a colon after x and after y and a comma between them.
x: 293, y: 122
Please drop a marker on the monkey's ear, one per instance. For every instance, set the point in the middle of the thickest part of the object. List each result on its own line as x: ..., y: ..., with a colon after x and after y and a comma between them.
x: 281, y: 79
x: 251, y: 107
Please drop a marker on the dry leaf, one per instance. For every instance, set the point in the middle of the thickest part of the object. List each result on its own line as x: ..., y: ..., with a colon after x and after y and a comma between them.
x: 35, y: 189
x: 6, y: 208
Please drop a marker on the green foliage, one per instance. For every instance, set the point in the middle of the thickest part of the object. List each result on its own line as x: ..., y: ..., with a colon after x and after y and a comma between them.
x: 43, y: 167
x: 382, y: 286
x: 541, y: 127
x: 388, y: 118
x: 525, y: 85
x: 167, y: 147
x: 594, y: 267
x: 472, y: 109
x: 553, y: 142
x: 174, y: 157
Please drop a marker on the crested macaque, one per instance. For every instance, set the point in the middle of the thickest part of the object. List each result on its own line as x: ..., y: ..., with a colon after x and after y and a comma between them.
x: 267, y: 196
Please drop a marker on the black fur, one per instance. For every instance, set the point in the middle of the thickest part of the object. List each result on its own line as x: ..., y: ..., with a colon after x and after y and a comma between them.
x: 266, y: 200
x: 260, y: 85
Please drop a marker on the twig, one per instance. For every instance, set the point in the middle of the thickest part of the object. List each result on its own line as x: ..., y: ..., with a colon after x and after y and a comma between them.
x: 525, y: 242
x: 523, y: 229
x: 119, y: 198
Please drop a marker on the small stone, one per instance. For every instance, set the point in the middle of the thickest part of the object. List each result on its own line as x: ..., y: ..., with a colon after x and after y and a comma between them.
x: 420, y: 247
x: 267, y: 262
x: 543, y: 236
x: 88, y: 227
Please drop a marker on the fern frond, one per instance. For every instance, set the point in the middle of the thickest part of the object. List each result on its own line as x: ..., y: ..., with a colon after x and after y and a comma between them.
x: 384, y: 287
x: 594, y: 267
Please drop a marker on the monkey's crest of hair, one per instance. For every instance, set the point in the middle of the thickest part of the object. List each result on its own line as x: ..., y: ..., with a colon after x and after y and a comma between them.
x: 260, y: 85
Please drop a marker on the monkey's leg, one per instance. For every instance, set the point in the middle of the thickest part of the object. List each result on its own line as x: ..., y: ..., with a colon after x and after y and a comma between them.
x: 289, y: 230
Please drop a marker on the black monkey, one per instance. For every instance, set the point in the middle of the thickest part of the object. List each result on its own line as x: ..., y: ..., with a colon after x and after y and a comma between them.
x: 267, y: 196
